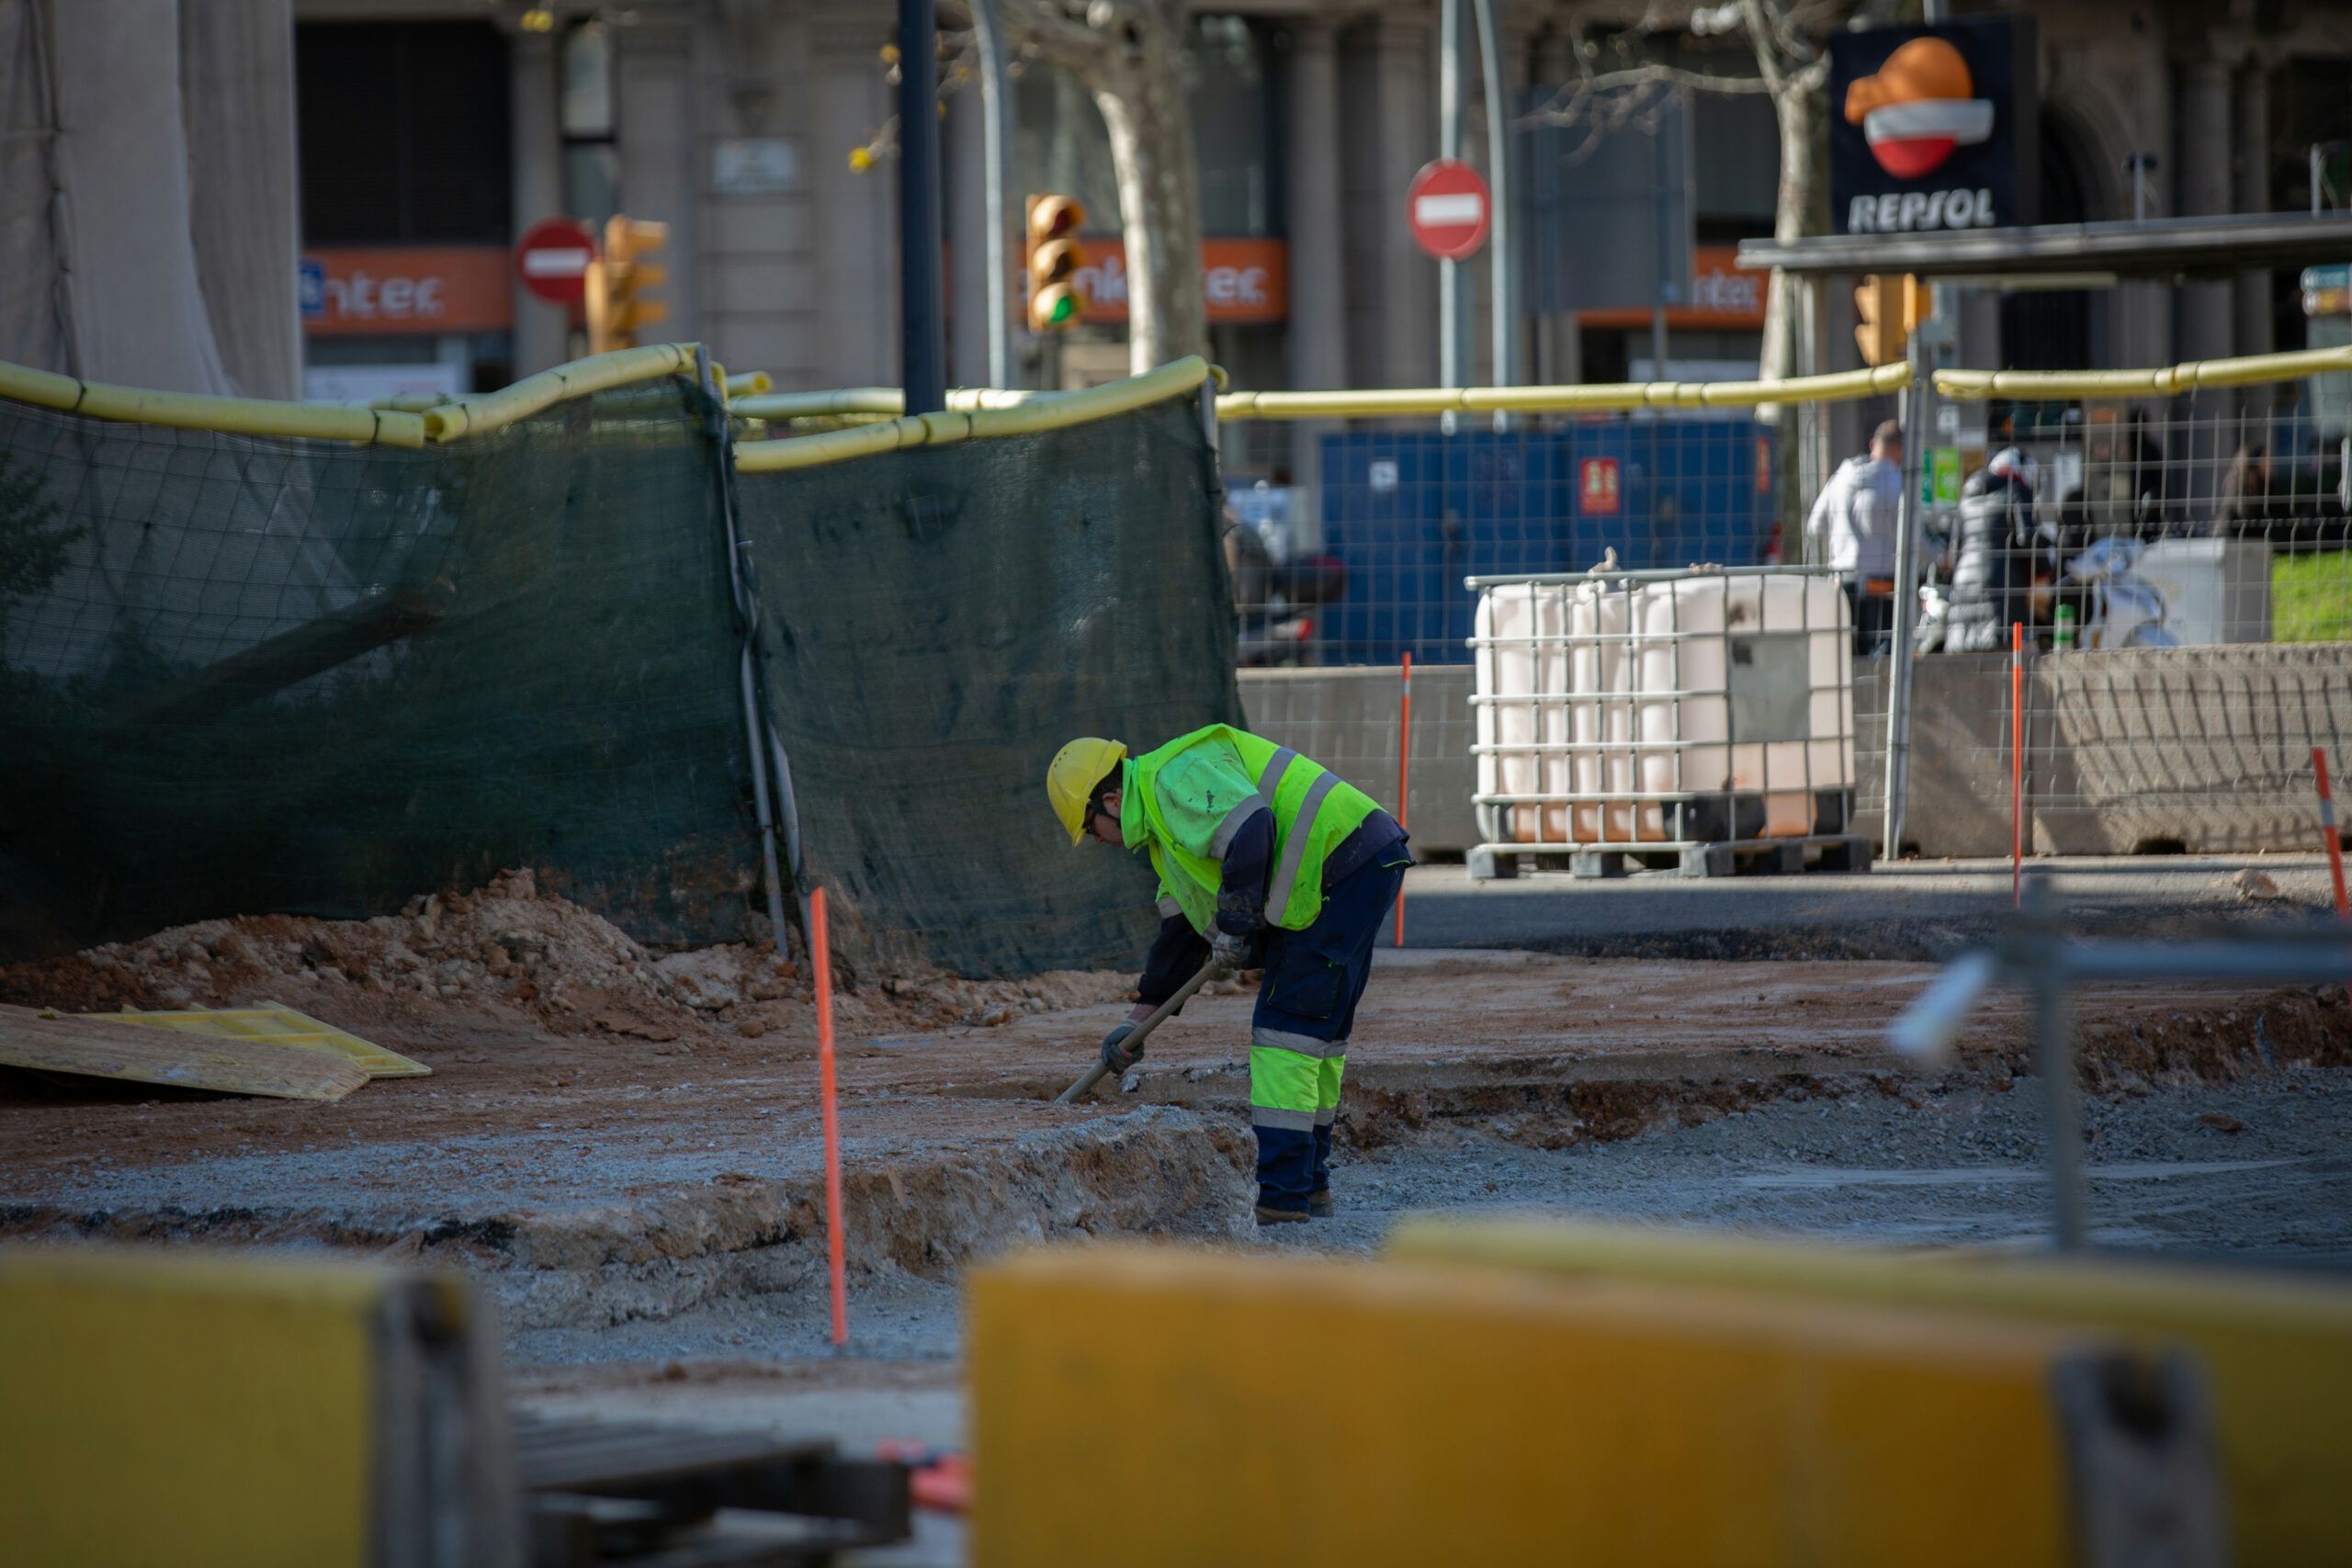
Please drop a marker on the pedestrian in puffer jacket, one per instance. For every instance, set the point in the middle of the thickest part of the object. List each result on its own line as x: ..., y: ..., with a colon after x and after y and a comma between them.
x: 1993, y: 557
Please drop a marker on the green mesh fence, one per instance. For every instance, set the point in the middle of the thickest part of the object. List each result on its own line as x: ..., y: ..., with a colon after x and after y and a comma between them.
x: 939, y: 622
x: 243, y: 676
x: 247, y: 674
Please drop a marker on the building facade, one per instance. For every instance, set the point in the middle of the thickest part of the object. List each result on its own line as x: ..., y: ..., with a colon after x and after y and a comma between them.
x: 432, y: 132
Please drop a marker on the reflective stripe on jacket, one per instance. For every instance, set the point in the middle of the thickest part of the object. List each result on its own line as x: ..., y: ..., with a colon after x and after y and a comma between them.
x: 1186, y: 801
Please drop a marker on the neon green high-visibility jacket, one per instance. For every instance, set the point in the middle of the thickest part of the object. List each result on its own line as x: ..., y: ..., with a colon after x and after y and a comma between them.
x: 1186, y: 801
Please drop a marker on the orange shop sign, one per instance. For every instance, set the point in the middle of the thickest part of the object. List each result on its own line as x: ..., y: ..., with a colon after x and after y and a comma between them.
x: 1722, y: 296
x: 408, y: 289
x: 1242, y: 281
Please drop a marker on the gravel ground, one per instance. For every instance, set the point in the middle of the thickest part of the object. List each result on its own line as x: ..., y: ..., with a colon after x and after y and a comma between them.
x: 2166, y: 1175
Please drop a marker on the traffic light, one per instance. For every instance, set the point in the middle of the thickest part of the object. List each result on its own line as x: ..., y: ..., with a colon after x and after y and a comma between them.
x: 618, y: 308
x: 1890, y: 309
x: 1054, y: 257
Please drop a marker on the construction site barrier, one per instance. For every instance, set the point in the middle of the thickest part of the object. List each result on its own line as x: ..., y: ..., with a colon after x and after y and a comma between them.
x: 220, y: 1409
x: 1300, y: 1411
x: 2276, y: 1352
x: 245, y: 674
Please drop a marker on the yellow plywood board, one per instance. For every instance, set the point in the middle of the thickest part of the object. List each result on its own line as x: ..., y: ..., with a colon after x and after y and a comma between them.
x: 92, y: 1047
x: 187, y: 1408
x: 1150, y: 1406
x: 2276, y: 1352
x: 280, y: 1025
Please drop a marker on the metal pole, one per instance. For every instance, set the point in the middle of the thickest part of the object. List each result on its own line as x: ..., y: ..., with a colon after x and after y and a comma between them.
x: 2062, y: 1124
x: 1906, y: 601
x: 1450, y: 336
x: 1503, y: 293
x: 1660, y: 245
x: 994, y: 105
x: 922, y: 330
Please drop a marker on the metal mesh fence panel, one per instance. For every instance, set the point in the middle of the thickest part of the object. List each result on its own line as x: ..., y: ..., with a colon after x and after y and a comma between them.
x: 940, y: 622
x: 2179, y: 564
x: 241, y: 674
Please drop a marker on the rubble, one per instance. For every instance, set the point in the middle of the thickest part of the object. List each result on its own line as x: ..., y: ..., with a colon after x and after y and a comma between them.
x: 511, y: 950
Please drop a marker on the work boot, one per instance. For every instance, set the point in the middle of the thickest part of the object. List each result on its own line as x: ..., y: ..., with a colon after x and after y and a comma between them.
x: 1279, y: 1216
x: 1320, y: 1204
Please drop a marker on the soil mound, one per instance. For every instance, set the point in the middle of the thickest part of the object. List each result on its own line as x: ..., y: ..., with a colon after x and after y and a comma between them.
x: 526, y: 957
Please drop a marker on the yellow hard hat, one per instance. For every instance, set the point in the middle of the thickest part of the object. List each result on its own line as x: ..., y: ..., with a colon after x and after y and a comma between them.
x: 1076, y: 769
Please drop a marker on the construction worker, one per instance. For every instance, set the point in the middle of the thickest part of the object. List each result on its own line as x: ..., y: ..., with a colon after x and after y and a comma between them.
x: 1265, y: 860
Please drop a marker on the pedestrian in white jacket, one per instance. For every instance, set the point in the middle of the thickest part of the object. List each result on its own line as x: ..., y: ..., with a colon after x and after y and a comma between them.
x: 1858, y: 510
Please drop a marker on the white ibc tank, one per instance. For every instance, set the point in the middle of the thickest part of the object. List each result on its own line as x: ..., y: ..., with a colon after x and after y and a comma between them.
x: 1711, y: 684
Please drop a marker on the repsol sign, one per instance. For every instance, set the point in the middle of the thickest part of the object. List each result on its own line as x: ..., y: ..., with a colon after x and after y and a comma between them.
x: 1933, y: 127
x: 1902, y: 212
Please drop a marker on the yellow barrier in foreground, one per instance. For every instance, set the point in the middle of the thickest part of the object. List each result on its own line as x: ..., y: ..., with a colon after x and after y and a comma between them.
x: 1040, y: 412
x: 197, y: 1408
x: 2277, y: 1352
x: 1142, y: 1406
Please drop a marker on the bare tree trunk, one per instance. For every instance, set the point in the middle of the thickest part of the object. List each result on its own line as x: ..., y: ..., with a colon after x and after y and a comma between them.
x: 1792, y: 207
x: 1130, y: 55
x: 1160, y: 210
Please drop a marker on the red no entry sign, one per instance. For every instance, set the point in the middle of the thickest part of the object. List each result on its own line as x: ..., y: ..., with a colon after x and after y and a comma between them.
x: 553, y: 259
x: 1449, y: 208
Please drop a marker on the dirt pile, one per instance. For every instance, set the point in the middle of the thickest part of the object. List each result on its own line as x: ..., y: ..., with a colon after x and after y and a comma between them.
x: 525, y: 957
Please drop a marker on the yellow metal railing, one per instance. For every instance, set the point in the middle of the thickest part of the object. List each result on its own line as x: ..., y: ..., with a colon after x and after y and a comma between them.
x: 981, y: 413
x: 1035, y: 412
x: 235, y: 416
x: 396, y: 422
x: 1543, y: 399
x: 2054, y: 385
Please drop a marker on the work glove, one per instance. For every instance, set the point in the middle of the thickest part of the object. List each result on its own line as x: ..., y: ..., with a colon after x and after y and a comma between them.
x: 1115, y: 1055
x: 1232, y: 954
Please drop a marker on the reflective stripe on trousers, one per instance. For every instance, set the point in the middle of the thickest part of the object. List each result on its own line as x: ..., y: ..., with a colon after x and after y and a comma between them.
x: 1294, y: 1090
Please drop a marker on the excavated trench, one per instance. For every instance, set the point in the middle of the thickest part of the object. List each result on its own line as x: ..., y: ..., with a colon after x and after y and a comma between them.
x: 604, y: 1177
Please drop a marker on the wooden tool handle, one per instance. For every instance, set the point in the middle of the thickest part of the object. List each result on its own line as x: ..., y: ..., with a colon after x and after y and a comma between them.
x: 1094, y: 1074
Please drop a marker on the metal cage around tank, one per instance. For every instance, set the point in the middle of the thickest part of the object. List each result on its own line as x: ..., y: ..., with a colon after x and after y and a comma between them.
x: 1701, y: 717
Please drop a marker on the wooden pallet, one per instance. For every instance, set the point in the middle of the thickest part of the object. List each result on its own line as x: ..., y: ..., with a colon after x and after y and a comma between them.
x: 1769, y: 857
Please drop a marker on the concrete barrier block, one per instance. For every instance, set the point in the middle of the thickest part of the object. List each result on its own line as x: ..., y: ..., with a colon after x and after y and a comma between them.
x: 198, y: 1408
x: 2276, y: 1352
x: 1144, y: 1406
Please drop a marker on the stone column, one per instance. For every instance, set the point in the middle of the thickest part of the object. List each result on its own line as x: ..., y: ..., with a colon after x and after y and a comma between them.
x: 540, y: 329
x: 2250, y: 179
x: 964, y: 152
x: 1318, y: 344
x: 855, y: 215
x: 2201, y: 311
x: 2141, y: 312
x: 655, y: 113
x: 1405, y: 334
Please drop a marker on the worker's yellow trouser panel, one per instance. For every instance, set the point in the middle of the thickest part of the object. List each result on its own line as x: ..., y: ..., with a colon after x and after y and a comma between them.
x: 1294, y: 1100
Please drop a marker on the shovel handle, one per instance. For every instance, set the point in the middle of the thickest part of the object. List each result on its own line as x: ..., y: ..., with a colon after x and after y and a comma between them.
x: 1094, y: 1074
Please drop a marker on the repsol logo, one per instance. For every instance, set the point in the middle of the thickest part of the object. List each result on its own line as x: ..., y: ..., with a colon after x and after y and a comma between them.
x: 1899, y: 212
